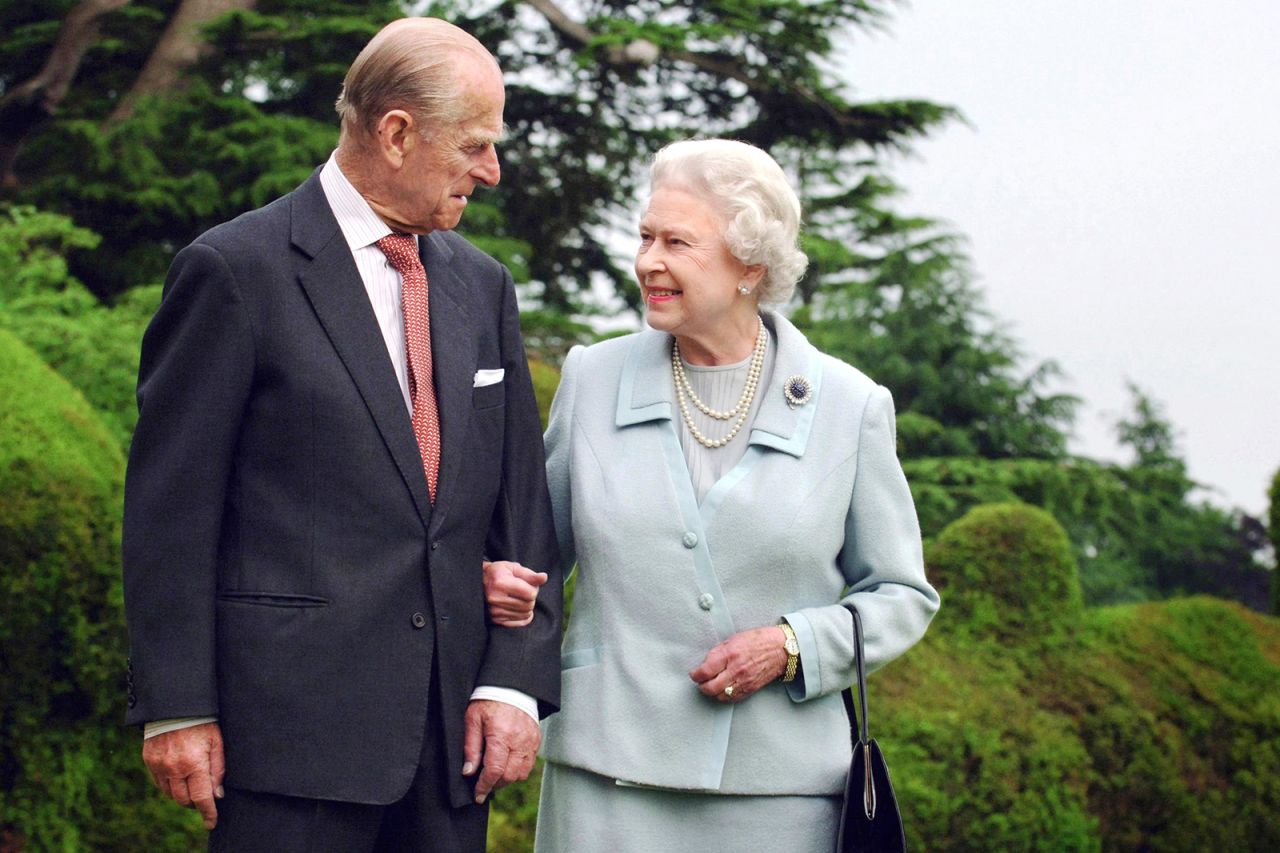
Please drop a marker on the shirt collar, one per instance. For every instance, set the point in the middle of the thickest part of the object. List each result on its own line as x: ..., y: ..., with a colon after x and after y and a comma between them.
x: 360, y: 226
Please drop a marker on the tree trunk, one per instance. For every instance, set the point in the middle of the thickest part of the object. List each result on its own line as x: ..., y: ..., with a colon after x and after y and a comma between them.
x: 179, y: 47
x: 33, y: 102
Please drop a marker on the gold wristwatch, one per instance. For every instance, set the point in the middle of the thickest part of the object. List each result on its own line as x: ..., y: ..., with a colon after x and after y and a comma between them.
x: 793, y: 652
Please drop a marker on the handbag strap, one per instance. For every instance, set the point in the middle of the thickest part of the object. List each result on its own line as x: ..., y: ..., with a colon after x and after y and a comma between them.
x: 863, y: 743
x: 857, y: 730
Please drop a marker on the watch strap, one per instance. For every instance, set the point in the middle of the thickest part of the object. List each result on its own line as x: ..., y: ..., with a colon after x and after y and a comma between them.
x: 792, y: 647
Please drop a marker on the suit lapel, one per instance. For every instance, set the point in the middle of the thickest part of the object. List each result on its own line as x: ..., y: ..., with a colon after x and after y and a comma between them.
x: 453, y: 356
x: 333, y: 286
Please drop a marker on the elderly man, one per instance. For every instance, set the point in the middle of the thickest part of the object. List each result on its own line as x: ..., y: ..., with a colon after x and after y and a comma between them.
x: 336, y: 428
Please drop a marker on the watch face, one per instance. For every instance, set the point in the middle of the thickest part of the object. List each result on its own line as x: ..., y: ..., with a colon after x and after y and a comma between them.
x: 792, y: 647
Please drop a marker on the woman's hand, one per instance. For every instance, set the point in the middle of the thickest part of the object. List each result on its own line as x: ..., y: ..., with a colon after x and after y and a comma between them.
x: 745, y: 662
x: 510, y: 590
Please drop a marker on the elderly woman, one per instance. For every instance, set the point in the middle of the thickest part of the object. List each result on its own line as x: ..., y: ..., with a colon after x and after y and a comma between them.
x: 724, y: 489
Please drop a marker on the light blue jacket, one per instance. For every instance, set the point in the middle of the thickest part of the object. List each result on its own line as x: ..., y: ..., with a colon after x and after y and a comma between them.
x: 817, y: 506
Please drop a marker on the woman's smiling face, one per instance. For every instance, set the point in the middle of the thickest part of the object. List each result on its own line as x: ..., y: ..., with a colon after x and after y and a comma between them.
x: 687, y: 275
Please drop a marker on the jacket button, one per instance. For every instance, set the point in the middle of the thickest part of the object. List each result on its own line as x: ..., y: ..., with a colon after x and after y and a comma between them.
x: 133, y: 700
x: 690, y: 539
x: 706, y: 600
x: 419, y: 621
x: 435, y: 545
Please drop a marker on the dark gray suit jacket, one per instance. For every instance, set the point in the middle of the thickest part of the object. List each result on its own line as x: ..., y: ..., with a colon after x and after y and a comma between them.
x: 285, y: 569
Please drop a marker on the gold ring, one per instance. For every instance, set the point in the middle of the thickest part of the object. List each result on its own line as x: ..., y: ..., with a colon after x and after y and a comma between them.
x: 728, y: 691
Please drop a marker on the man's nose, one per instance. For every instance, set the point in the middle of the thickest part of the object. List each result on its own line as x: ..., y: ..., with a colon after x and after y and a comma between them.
x: 487, y: 171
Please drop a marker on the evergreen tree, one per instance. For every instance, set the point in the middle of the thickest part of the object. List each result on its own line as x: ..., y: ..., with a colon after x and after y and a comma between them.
x: 1187, y: 545
x: 593, y: 90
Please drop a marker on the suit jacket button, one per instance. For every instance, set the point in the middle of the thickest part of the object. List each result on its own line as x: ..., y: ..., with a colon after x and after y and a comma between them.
x: 419, y: 621
x: 690, y: 539
x: 706, y: 600
x: 133, y: 700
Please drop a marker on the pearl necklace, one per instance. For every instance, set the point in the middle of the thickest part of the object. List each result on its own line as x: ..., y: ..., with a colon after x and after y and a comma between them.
x: 683, y: 390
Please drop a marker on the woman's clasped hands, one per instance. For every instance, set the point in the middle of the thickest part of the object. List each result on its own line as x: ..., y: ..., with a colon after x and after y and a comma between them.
x: 742, y: 664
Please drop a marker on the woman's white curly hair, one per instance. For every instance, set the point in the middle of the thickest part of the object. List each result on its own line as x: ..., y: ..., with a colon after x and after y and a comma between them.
x: 759, y: 209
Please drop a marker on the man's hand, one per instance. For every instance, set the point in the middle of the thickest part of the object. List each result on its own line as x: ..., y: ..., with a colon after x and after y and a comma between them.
x: 187, y: 765
x: 510, y: 590
x: 508, y: 739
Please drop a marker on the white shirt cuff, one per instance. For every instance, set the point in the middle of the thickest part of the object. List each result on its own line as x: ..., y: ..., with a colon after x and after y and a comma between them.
x: 159, y: 727
x: 523, y: 701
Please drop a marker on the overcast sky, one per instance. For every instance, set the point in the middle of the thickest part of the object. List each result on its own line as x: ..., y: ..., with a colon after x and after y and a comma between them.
x: 1119, y: 184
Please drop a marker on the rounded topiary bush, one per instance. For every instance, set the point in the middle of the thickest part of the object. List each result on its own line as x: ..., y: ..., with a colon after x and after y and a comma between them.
x: 70, y: 774
x: 1006, y: 573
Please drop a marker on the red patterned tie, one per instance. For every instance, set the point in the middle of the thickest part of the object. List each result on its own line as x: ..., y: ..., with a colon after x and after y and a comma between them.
x: 402, y: 251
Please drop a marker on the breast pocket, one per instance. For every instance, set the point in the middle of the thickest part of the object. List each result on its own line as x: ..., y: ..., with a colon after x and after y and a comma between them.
x: 489, y: 396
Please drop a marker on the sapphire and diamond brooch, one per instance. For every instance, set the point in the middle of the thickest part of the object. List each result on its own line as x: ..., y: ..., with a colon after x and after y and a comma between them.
x: 798, y: 391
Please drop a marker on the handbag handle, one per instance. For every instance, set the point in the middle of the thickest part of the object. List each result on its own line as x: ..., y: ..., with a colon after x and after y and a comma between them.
x: 858, y: 730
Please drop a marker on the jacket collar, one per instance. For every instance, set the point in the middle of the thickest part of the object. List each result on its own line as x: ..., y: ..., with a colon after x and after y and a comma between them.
x: 646, y: 392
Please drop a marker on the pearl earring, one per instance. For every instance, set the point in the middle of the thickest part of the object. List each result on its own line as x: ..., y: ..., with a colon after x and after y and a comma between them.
x: 743, y: 289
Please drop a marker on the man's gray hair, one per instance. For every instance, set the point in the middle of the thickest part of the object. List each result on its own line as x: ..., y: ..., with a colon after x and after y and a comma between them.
x: 411, y: 65
x: 755, y: 201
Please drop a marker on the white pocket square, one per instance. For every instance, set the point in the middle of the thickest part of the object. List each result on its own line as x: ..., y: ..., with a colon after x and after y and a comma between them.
x: 488, y: 377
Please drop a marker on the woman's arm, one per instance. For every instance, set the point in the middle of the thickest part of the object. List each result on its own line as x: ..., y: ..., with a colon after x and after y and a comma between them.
x: 882, y: 562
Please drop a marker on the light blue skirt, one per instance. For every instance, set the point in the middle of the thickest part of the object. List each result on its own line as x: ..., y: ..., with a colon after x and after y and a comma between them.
x: 582, y: 812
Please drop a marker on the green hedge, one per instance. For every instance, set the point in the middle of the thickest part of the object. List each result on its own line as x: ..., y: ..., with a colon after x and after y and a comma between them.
x: 70, y: 774
x: 1147, y: 727
x: 91, y: 345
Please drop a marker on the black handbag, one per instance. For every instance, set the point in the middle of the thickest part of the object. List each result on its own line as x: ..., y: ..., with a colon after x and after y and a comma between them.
x: 870, y: 821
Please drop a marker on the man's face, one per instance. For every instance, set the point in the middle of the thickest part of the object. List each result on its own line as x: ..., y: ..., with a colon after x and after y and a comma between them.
x: 442, y: 169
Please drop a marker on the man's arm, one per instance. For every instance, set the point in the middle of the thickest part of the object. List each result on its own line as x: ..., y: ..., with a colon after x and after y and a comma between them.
x: 500, y: 741
x: 193, y: 380
x: 522, y: 531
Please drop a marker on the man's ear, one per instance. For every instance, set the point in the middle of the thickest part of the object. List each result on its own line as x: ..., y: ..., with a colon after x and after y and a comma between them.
x: 397, y: 136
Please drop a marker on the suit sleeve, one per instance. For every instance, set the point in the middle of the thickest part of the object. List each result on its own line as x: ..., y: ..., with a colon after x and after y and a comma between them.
x: 194, y: 378
x: 883, y: 563
x: 525, y: 659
